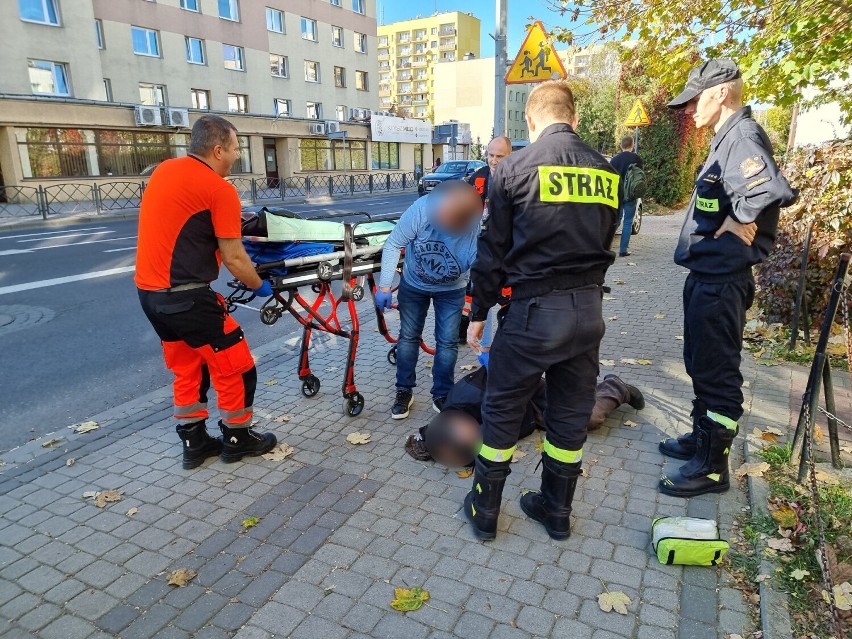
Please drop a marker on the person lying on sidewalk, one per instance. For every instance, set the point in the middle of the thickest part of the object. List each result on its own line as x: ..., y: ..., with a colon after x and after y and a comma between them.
x: 452, y: 437
x: 438, y: 233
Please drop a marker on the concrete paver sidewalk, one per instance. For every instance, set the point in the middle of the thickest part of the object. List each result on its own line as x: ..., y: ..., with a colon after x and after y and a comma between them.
x: 342, y: 525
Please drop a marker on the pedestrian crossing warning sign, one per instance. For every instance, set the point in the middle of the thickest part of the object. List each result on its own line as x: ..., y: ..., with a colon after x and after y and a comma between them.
x: 536, y: 61
x: 638, y: 116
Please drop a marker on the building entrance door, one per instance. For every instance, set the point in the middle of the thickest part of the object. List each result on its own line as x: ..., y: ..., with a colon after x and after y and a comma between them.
x: 270, y: 159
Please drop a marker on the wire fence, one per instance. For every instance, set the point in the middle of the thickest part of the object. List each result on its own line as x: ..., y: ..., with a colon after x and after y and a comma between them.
x: 73, y: 197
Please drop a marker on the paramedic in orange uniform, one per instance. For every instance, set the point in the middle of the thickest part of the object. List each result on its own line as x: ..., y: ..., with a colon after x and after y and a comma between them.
x: 189, y: 224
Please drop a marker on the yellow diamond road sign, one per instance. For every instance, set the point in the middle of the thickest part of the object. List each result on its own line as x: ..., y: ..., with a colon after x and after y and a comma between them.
x: 638, y: 116
x: 536, y: 61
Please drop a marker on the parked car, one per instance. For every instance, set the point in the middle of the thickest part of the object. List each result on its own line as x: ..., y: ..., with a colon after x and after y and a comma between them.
x: 452, y: 170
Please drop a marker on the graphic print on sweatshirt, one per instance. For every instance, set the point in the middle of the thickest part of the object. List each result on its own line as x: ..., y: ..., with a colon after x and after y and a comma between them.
x: 434, y: 263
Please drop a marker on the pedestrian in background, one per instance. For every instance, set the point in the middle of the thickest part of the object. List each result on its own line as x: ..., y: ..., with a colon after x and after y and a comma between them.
x: 622, y: 162
x: 552, y: 209
x: 731, y: 223
x: 498, y: 149
x: 438, y: 233
x: 189, y: 224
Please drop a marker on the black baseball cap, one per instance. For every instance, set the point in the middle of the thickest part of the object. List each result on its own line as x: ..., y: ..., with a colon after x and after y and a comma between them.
x: 710, y: 74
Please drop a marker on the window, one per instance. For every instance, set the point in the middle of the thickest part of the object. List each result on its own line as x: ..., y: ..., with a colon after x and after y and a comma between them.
x: 279, y: 66
x: 99, y: 33
x: 229, y: 10
x: 314, y: 110
x: 152, y: 94
x: 337, y: 36
x: 195, y: 51
x: 43, y: 11
x: 274, y: 20
x: 200, y: 99
x: 309, y: 29
x: 189, y: 5
x: 237, y: 103
x: 91, y: 153
x: 340, y: 77
x: 145, y: 41
x: 358, y: 6
x: 361, y: 42
x: 340, y: 112
x: 317, y: 154
x: 48, y: 78
x: 283, y: 107
x: 312, y: 71
x: 335, y: 3
x: 361, y: 80
x: 385, y: 155
x: 234, y: 57
x: 107, y: 90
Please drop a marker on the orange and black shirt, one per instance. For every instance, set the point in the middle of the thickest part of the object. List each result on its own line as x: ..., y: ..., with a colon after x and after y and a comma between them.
x: 479, y: 181
x: 186, y: 206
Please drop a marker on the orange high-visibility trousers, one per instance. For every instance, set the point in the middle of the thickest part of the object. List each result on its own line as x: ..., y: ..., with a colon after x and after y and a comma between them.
x: 203, y: 345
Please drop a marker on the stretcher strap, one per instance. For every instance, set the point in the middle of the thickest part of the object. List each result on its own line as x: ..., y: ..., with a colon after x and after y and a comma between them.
x: 348, y: 244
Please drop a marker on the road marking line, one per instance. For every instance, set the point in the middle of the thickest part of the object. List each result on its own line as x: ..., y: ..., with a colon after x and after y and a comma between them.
x: 110, y: 239
x: 62, y: 237
x: 17, y: 288
x: 126, y: 248
x: 14, y: 237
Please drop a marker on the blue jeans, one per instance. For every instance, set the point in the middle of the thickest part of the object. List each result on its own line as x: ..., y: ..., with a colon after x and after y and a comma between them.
x: 628, y: 212
x: 413, y: 308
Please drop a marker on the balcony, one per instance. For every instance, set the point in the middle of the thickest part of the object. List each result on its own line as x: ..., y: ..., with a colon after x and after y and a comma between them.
x: 404, y: 51
x: 445, y: 31
x: 403, y: 77
x: 403, y: 65
x: 420, y: 102
x: 448, y: 47
x: 384, y: 56
x: 384, y: 93
x: 407, y: 92
x: 419, y: 64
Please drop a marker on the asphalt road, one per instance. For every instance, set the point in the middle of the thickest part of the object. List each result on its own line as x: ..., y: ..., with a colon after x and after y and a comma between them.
x: 73, y: 340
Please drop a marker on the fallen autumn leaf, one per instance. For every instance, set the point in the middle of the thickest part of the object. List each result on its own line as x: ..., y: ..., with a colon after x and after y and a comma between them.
x: 281, y: 452
x: 358, y: 438
x: 181, y: 577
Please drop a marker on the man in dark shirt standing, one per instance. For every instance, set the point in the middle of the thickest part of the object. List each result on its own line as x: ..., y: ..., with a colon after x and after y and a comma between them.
x: 621, y: 162
x: 731, y: 223
x: 552, y: 210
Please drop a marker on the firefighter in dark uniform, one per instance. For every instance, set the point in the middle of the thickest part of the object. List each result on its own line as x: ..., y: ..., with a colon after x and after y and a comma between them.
x: 552, y: 217
x: 730, y: 226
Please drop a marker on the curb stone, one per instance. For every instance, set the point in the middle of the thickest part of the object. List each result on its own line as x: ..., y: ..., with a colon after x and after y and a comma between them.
x: 774, y: 614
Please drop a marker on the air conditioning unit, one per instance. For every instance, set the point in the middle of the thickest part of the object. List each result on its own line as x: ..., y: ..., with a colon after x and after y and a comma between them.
x: 318, y: 129
x: 148, y: 115
x: 332, y: 126
x: 358, y: 114
x: 177, y: 118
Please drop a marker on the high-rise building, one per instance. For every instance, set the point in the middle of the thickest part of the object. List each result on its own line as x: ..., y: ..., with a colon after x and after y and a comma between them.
x: 466, y: 90
x: 105, y: 89
x: 410, y: 50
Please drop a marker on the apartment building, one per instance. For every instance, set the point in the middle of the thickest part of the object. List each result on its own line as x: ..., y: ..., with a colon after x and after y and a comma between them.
x: 409, y: 52
x: 75, y: 69
x: 466, y: 89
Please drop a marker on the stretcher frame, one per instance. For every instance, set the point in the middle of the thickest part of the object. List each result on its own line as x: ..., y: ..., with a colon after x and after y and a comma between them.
x: 355, y: 267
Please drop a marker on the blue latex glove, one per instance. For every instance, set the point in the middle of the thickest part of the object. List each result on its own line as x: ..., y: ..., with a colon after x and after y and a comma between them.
x: 264, y: 290
x: 483, y: 358
x: 384, y: 300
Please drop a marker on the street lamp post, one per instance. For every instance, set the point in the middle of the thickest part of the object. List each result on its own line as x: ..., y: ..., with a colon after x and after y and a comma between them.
x: 500, y: 68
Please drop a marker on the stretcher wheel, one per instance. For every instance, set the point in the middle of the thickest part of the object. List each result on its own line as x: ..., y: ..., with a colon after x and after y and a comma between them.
x: 325, y: 271
x: 357, y: 293
x: 270, y: 315
x: 310, y: 386
x: 353, y: 404
x: 392, y: 355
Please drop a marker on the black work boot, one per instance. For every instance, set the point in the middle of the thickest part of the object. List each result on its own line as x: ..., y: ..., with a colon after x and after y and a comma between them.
x: 482, y: 503
x: 684, y: 446
x: 707, y: 471
x: 197, y: 444
x: 241, y: 442
x: 552, y: 506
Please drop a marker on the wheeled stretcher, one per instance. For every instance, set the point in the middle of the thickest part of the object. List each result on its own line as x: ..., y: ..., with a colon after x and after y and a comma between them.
x: 292, y: 253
